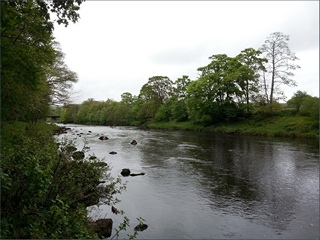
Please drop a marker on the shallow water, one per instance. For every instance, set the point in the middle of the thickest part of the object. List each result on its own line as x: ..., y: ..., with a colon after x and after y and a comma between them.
x: 204, y: 185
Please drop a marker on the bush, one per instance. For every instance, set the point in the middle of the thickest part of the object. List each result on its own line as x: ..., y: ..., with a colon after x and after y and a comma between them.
x: 44, y: 192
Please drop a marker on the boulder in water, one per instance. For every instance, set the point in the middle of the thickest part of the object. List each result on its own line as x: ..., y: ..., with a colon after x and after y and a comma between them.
x: 125, y: 172
x: 103, y: 138
x: 103, y: 227
x: 134, y: 142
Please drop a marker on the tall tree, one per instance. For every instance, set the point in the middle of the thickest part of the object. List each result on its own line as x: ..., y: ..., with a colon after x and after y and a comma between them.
x: 181, y: 85
x: 248, y: 73
x: 158, y: 88
x: 152, y: 95
x: 279, y: 67
x: 27, y: 53
x: 60, y: 78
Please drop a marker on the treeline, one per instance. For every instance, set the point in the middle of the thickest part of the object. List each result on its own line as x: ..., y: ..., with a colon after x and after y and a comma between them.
x: 229, y: 89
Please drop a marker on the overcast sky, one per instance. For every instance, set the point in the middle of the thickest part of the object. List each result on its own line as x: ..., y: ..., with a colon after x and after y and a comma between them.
x: 116, y: 46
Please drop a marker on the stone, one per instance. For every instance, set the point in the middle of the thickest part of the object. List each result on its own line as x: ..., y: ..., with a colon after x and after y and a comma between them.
x: 103, y: 227
x: 103, y: 138
x: 125, y: 172
x: 134, y: 142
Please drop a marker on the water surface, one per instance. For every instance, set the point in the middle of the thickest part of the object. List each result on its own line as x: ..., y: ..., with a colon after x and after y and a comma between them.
x: 204, y: 185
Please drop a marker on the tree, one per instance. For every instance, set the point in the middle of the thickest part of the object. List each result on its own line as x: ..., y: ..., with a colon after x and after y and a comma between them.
x: 152, y: 95
x: 127, y: 98
x: 248, y: 73
x: 279, y: 67
x: 158, y: 88
x: 310, y: 107
x: 60, y: 79
x: 27, y: 53
x: 297, y: 100
x: 181, y: 85
x: 213, y: 97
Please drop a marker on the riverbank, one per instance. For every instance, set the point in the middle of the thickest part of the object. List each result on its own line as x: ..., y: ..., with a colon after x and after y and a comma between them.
x: 277, y: 126
x: 46, y: 189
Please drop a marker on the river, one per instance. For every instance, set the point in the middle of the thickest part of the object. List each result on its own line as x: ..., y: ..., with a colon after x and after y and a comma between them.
x: 201, y: 185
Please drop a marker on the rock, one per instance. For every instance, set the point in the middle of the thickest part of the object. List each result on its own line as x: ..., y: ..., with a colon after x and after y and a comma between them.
x: 112, y: 152
x: 103, y: 138
x: 141, y: 227
x: 78, y: 155
x: 136, y: 174
x: 125, y: 172
x: 134, y: 142
x: 103, y: 227
x: 90, y: 199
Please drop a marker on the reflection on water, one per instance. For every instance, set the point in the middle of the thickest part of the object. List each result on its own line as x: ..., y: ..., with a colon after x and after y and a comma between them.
x: 202, y: 185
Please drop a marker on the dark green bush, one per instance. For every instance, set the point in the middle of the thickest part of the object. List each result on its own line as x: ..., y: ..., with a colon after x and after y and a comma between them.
x: 44, y: 193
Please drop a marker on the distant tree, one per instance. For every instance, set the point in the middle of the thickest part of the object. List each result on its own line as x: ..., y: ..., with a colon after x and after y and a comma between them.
x: 310, y: 107
x: 127, y: 98
x: 181, y: 85
x: 152, y: 95
x: 279, y: 67
x: 297, y: 100
x: 69, y: 113
x: 158, y: 88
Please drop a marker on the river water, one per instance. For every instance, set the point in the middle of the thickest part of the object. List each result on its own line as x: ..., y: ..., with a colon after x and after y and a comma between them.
x: 205, y: 186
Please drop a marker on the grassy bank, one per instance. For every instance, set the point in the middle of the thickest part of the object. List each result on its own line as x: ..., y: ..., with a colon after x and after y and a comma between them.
x: 278, y: 126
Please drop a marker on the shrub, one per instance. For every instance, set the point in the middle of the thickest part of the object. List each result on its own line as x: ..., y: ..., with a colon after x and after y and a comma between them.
x: 44, y: 192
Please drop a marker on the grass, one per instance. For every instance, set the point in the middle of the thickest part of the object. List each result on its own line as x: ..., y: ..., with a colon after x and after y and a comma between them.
x: 278, y: 126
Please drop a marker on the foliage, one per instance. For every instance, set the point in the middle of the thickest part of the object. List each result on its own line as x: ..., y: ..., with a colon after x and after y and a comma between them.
x: 69, y: 113
x: 31, y: 67
x: 44, y: 191
x: 213, y: 97
x: 279, y: 67
x: 60, y: 78
x: 310, y: 107
x: 297, y: 100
